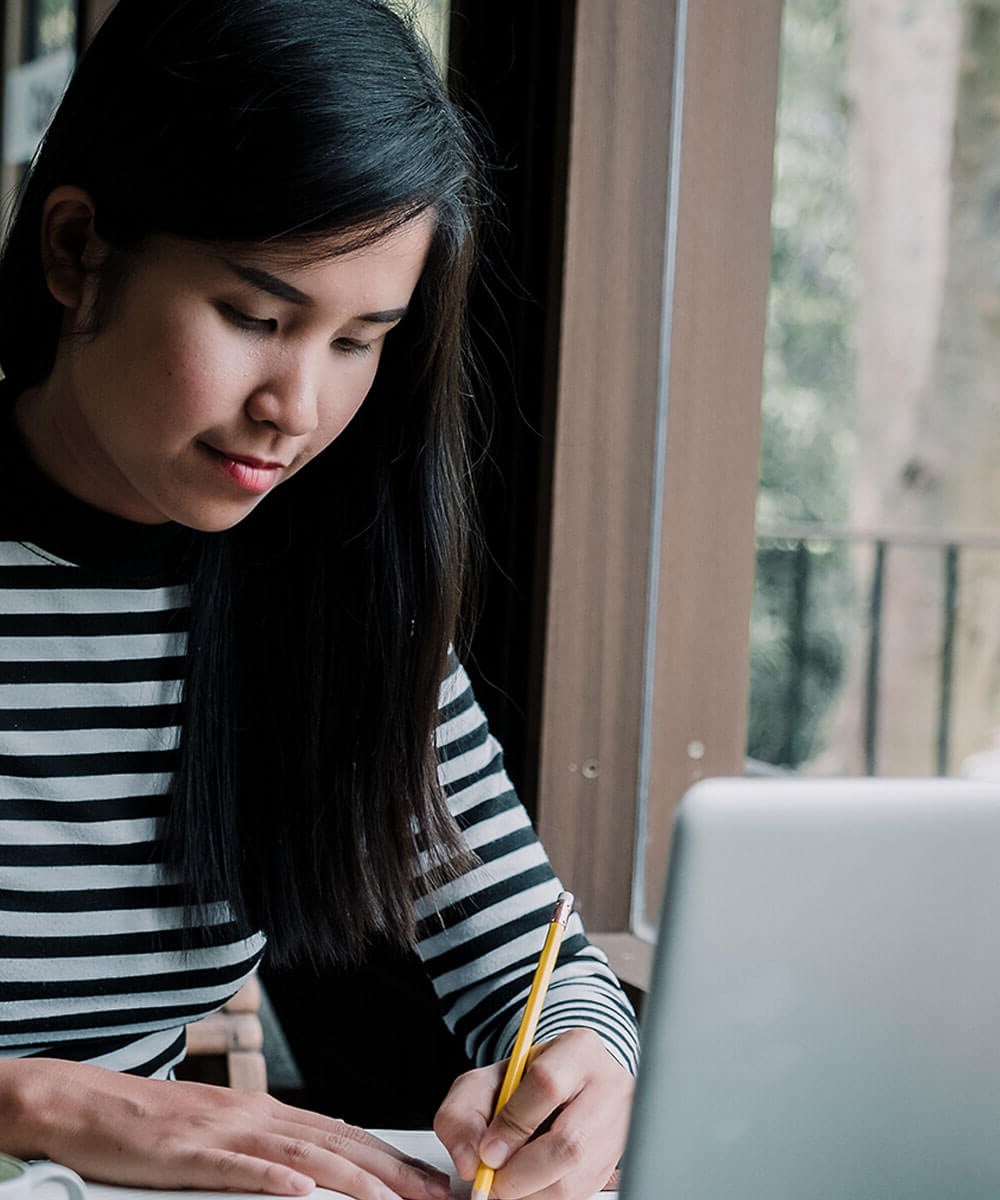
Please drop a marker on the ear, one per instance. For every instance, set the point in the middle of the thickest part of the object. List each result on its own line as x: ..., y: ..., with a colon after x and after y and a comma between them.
x: 71, y: 248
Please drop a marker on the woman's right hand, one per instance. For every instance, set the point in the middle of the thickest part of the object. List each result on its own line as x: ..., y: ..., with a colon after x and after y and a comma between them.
x: 125, y: 1129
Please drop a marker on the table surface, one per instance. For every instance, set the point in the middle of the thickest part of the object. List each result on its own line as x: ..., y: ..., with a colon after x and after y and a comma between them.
x: 419, y: 1143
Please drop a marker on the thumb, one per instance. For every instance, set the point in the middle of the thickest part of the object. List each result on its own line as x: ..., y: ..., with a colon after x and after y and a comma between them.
x: 533, y: 1101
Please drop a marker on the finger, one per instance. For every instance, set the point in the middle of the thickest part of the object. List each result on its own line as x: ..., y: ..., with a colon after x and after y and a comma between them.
x: 330, y: 1158
x: 551, y: 1080
x: 464, y: 1114
x: 574, y: 1157
x: 351, y: 1141
x: 228, y: 1170
x: 577, y: 1154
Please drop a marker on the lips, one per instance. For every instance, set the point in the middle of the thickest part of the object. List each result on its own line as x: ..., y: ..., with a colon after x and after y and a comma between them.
x: 258, y: 463
x: 256, y: 475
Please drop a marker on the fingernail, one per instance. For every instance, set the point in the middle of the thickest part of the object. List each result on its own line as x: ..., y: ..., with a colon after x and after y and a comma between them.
x: 301, y: 1185
x: 436, y: 1188
x: 495, y: 1152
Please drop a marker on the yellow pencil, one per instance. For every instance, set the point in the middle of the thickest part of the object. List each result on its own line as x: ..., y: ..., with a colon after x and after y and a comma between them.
x: 529, y: 1022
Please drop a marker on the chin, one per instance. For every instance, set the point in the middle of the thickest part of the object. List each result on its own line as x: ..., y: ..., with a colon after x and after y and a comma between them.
x: 214, y: 520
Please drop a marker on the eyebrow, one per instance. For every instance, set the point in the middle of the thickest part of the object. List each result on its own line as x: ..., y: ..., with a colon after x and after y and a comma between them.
x: 264, y: 281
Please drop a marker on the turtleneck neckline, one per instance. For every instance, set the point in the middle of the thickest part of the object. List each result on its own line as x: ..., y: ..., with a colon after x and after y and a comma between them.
x: 37, y: 510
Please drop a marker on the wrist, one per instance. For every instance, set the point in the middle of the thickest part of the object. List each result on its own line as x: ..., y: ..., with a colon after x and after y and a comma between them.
x: 23, y: 1108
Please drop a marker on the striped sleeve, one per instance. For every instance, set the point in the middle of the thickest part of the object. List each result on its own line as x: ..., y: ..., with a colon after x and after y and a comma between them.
x: 479, y: 936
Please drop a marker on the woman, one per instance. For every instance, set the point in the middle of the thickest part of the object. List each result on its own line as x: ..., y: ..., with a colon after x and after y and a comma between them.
x: 235, y: 530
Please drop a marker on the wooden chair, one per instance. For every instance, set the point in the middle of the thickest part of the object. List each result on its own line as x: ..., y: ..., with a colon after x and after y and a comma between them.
x: 231, y: 1043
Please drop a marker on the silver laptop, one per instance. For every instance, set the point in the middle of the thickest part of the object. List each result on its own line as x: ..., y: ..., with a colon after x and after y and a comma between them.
x: 824, y: 1018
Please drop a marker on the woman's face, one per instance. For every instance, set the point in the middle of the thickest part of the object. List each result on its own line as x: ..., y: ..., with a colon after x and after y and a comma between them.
x: 217, y: 375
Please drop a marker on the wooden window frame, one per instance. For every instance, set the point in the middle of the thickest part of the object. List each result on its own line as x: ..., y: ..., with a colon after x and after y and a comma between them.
x: 92, y: 13
x: 657, y: 435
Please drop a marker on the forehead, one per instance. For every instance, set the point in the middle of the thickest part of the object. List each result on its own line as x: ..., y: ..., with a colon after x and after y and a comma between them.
x: 344, y: 245
x: 368, y: 259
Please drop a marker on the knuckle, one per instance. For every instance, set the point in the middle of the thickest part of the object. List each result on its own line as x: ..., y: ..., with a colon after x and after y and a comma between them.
x: 344, y: 1138
x: 226, y: 1163
x: 402, y: 1177
x: 352, y: 1135
x: 294, y: 1150
x: 451, y: 1123
x: 567, y: 1144
x: 547, y: 1080
x: 333, y: 1141
x: 450, y: 1116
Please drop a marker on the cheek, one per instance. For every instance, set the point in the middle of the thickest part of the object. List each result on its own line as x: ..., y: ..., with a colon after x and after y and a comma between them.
x: 339, y: 410
x: 197, y: 375
x: 332, y: 424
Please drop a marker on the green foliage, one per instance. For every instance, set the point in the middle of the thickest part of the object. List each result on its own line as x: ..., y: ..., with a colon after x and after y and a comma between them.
x: 807, y: 444
x: 794, y: 673
x: 56, y: 24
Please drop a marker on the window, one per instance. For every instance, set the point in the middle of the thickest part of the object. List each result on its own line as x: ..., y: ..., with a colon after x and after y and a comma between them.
x: 39, y: 52
x: 878, y: 586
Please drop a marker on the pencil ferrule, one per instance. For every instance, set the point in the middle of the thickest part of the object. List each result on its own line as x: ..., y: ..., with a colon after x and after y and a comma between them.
x: 564, y: 906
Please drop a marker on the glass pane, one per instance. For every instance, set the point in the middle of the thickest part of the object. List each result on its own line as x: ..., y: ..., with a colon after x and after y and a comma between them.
x: 433, y: 16
x: 51, y: 25
x: 33, y: 86
x: 876, y: 631
x: 803, y: 596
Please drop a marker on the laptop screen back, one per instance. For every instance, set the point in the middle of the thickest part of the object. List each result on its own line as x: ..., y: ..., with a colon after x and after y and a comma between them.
x: 824, y: 1017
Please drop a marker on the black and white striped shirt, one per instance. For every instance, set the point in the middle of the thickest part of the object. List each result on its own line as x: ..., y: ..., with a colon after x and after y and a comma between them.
x: 92, y: 965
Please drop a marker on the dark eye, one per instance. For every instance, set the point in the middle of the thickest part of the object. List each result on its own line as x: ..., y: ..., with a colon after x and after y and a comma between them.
x: 244, y: 320
x: 350, y: 346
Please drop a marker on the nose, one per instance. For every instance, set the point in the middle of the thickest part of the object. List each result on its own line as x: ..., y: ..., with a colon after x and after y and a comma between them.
x: 288, y: 399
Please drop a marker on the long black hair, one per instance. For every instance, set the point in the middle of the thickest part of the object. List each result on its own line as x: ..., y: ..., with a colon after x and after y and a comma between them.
x: 306, y: 790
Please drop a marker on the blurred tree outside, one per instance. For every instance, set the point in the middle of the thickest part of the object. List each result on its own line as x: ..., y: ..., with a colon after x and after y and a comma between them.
x: 808, y: 444
x: 432, y: 18
x: 56, y: 25
x: 883, y: 348
x: 925, y: 89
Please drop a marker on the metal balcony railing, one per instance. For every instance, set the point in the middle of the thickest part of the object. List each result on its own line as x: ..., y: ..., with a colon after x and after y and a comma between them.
x: 798, y: 541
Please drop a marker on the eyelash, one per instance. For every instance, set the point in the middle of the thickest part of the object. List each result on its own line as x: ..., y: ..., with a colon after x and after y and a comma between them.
x: 243, y: 320
x: 347, y: 346
x: 262, y: 325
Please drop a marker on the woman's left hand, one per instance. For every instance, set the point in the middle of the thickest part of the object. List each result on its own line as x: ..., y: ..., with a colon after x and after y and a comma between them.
x: 573, y: 1090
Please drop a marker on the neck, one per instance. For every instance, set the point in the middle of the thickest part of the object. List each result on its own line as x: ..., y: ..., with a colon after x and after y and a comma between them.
x: 63, y: 449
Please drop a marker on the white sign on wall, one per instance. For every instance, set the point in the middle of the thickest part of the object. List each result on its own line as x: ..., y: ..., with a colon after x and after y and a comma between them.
x: 31, y: 94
